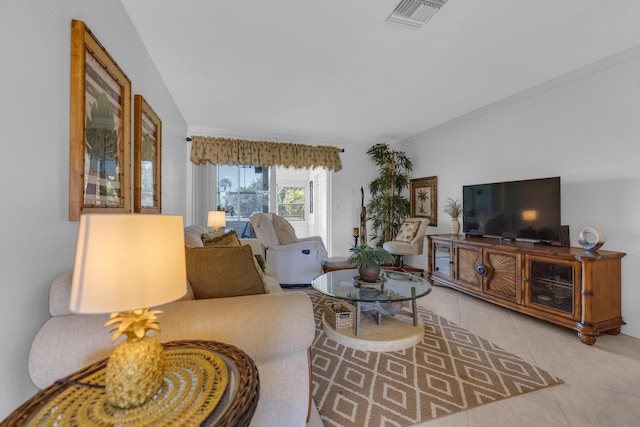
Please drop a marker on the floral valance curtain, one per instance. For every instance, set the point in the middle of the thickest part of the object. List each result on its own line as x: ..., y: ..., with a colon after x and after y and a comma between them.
x: 260, y: 153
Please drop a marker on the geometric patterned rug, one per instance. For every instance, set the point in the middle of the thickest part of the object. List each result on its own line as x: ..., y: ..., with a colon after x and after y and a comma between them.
x: 450, y: 370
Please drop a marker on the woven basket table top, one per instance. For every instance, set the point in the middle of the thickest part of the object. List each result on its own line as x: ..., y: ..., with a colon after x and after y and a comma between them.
x: 205, y: 383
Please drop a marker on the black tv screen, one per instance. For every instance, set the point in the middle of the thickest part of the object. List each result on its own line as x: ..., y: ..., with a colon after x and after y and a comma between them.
x: 526, y: 210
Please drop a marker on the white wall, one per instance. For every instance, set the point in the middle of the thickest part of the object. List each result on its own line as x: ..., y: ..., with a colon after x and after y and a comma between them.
x: 344, y: 208
x: 585, y: 128
x: 37, y: 241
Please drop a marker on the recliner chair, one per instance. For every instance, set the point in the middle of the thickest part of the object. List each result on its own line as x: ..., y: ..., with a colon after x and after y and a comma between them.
x: 296, y: 261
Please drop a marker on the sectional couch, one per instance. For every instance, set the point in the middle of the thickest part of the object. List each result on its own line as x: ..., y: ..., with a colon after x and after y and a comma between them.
x: 276, y: 329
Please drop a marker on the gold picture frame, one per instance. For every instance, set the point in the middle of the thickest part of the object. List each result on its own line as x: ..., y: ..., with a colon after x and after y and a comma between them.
x: 147, y: 158
x: 424, y: 199
x: 100, y: 129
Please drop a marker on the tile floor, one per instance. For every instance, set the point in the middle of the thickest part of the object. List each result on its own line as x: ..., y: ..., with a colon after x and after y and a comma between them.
x: 601, y: 382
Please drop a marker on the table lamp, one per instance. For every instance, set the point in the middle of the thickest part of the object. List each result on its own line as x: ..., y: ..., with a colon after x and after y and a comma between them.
x: 217, y: 220
x: 125, y: 264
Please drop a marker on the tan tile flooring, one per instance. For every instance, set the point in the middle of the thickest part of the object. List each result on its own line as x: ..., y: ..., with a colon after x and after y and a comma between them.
x: 601, y: 382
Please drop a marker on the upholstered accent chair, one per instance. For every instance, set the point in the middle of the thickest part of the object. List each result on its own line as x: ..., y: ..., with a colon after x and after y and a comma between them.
x: 296, y: 261
x: 409, y: 240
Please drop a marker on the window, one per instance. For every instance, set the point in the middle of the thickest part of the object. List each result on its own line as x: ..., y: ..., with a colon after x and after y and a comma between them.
x: 242, y: 191
x: 290, y: 202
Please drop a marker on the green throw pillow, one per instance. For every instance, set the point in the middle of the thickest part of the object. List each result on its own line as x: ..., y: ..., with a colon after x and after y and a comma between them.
x: 261, y: 262
x: 230, y: 238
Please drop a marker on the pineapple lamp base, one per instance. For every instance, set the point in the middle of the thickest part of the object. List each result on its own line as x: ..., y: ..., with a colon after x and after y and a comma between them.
x: 135, y: 369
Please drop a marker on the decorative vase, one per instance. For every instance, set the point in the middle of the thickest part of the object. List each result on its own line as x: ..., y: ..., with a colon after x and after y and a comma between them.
x: 454, y: 226
x: 369, y: 274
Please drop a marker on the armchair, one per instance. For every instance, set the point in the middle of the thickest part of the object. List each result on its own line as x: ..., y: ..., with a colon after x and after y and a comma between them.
x: 295, y: 261
x: 409, y: 240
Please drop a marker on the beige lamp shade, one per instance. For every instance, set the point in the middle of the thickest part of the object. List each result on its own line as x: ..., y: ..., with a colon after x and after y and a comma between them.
x: 217, y: 219
x: 128, y: 262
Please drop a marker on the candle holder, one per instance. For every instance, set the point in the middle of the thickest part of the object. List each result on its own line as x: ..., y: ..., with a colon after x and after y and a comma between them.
x: 356, y: 234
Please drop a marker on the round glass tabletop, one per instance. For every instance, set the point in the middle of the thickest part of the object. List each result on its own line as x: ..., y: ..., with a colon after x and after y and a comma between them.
x: 391, y: 286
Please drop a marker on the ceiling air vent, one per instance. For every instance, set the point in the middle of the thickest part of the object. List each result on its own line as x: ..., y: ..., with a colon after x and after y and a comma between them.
x: 415, y: 12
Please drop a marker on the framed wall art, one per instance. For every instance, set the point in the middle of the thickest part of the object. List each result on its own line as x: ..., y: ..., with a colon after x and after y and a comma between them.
x: 147, y: 157
x: 100, y: 129
x: 424, y: 199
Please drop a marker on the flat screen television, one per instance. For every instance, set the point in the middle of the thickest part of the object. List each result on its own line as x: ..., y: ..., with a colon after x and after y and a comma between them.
x: 524, y: 210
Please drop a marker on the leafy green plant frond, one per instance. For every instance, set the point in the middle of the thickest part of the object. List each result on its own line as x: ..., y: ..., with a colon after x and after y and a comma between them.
x: 367, y: 256
x: 452, y: 207
x: 148, y: 150
x: 388, y: 207
x: 100, y: 129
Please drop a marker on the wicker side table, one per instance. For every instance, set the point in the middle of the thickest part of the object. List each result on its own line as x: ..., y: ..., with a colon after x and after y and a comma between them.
x: 235, y: 407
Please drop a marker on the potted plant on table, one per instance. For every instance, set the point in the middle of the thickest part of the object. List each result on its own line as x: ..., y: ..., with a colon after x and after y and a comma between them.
x: 453, y: 208
x: 368, y: 260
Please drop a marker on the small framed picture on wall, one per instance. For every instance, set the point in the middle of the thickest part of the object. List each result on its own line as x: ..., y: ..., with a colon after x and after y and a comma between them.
x: 424, y: 199
x: 147, y: 158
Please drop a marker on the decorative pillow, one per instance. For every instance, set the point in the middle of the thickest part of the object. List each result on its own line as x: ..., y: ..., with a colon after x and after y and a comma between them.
x: 230, y: 238
x: 212, y: 234
x: 224, y: 271
x: 285, y: 232
x: 407, y: 232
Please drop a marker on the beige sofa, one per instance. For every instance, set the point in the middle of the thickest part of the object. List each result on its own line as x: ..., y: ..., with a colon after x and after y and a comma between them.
x: 275, y: 329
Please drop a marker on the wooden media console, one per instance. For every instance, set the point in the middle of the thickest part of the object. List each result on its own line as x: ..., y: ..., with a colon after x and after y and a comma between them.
x: 567, y: 286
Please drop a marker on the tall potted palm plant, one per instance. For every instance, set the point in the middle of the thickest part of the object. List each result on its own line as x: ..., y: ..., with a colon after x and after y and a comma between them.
x: 388, y: 207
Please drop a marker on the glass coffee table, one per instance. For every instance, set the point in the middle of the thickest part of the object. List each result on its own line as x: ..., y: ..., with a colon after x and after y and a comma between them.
x: 386, y: 296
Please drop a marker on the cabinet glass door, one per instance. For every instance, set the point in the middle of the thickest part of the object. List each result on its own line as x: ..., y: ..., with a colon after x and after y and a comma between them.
x: 552, y: 285
x: 442, y: 258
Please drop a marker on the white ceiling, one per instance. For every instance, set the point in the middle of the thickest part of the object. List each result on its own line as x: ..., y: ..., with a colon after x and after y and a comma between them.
x: 337, y: 69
